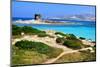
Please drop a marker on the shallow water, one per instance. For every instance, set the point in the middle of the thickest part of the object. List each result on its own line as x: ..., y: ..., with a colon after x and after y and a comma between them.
x: 85, y: 31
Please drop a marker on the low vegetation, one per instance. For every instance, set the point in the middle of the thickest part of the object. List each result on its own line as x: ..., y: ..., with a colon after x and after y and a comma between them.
x: 42, y: 35
x: 16, y: 31
x: 35, y: 46
x: 70, y: 41
x: 29, y: 29
x: 67, y: 36
x: 71, y: 37
x: 29, y: 52
x: 60, y: 33
x: 82, y: 38
x: 60, y: 40
x: 77, y: 57
x: 75, y: 44
x: 20, y: 56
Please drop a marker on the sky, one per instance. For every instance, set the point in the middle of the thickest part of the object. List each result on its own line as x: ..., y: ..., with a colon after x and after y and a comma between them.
x: 28, y: 9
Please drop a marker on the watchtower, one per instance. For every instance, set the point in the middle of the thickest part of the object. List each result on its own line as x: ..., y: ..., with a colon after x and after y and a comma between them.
x: 37, y: 17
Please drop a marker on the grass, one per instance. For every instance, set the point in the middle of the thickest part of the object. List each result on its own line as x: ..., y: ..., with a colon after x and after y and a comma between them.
x: 16, y: 36
x: 67, y: 36
x: 60, y: 33
x: 27, y: 57
x: 34, y: 46
x: 77, y: 57
x: 69, y: 40
x: 30, y: 52
x: 42, y: 35
x: 74, y: 44
x: 17, y: 30
x: 27, y: 52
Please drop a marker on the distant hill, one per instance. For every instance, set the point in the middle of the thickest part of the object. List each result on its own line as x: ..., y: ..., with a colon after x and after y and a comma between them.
x: 82, y: 17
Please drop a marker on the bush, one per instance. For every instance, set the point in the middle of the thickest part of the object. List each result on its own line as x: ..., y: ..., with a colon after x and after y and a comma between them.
x: 75, y: 44
x: 42, y: 35
x: 36, y: 46
x: 71, y: 36
x: 16, y: 30
x: 60, y: 33
x: 60, y: 40
x: 82, y: 38
x: 28, y: 29
x: 68, y: 36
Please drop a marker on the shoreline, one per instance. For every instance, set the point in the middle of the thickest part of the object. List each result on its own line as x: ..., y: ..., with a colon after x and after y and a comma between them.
x: 46, y: 22
x: 52, y: 33
x: 23, y: 24
x: 66, y: 23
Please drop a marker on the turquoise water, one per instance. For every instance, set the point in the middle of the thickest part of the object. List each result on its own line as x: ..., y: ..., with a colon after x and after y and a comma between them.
x: 87, y: 32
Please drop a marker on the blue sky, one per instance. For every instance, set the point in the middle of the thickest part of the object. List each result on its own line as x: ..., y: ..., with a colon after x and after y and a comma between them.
x: 28, y: 9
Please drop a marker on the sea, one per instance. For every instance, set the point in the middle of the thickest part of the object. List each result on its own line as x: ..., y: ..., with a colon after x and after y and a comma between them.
x: 86, y: 29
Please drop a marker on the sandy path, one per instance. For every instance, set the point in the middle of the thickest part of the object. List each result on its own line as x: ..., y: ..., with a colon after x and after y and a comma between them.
x: 51, y: 42
x: 65, y: 52
x: 47, y: 40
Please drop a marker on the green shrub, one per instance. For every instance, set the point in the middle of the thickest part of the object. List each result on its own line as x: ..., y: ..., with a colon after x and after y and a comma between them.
x: 36, y: 46
x: 42, y: 35
x: 16, y: 30
x: 75, y: 44
x: 68, y: 36
x: 28, y: 29
x: 60, y: 33
x: 82, y: 38
x: 60, y: 40
x: 71, y: 36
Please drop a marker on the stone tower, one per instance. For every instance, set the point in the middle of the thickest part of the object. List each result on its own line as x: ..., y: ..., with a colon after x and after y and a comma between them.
x: 37, y: 17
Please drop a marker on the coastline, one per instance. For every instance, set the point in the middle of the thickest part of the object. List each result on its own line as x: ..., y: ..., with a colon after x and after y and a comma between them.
x: 46, y: 22
x: 52, y: 33
x: 65, y: 28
